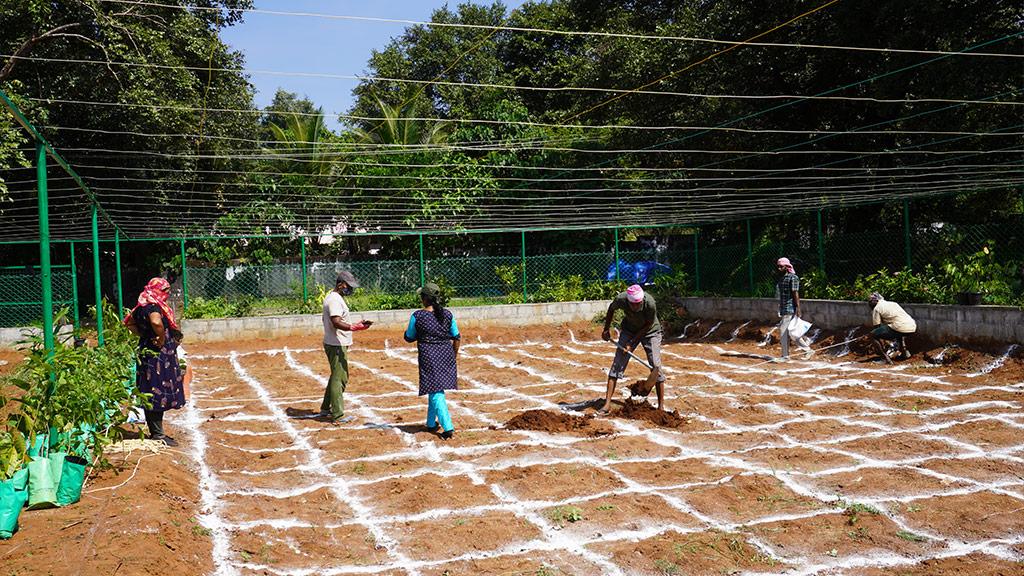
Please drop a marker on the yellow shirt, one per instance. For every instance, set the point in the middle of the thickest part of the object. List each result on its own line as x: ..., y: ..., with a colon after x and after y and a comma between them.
x: 893, y: 315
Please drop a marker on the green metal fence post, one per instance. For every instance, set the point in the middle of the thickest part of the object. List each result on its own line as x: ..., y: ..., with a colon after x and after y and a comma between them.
x: 696, y: 258
x: 44, y: 247
x: 117, y: 269
x: 750, y: 258
x: 97, y: 285
x: 906, y: 234
x: 305, y: 279
x: 184, y: 279
x: 423, y: 267
x: 617, y: 278
x: 821, y: 244
x: 74, y: 288
x: 522, y: 252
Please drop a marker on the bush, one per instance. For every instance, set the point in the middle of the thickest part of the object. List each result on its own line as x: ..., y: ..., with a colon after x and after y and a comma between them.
x: 90, y: 393
x: 220, y: 307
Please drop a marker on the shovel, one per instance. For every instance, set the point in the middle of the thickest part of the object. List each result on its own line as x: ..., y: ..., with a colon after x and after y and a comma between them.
x: 641, y: 389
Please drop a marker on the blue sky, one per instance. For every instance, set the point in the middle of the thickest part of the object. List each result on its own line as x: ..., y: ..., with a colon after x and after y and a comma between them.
x: 319, y: 45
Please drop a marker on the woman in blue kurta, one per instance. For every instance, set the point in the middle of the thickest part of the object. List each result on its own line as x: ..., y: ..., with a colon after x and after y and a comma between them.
x: 437, y: 338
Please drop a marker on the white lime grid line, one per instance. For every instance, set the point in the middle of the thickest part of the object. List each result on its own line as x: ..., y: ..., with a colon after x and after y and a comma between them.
x: 639, y: 488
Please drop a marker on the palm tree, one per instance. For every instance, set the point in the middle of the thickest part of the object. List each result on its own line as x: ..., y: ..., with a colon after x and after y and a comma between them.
x: 400, y: 127
x: 303, y: 144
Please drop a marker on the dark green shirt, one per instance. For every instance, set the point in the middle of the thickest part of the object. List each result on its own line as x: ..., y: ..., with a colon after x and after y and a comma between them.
x: 632, y: 321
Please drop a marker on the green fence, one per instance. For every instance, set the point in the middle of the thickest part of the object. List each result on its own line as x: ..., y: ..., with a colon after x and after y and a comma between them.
x: 718, y: 262
x: 20, y: 291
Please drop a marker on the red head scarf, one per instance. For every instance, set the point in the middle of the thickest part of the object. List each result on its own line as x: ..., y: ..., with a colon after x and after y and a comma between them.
x: 156, y: 292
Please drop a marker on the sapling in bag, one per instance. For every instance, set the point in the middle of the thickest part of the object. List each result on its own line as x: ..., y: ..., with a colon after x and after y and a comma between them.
x: 13, y: 494
x: 69, y: 489
x: 42, y: 485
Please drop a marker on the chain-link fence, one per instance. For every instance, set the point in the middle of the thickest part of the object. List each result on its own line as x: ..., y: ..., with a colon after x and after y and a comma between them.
x: 734, y: 259
x: 21, y: 291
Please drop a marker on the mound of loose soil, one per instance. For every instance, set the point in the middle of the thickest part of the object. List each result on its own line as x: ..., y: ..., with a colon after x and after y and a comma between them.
x: 646, y: 412
x: 548, y: 421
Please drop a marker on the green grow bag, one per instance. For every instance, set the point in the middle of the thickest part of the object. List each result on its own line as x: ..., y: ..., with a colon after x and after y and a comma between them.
x: 69, y: 488
x: 37, y: 446
x: 43, y: 478
x: 13, y: 495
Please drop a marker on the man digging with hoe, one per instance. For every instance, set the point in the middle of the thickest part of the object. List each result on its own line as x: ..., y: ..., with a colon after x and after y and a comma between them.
x: 639, y: 326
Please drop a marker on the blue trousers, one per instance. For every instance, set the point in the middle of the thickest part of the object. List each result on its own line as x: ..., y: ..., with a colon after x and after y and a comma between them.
x: 437, y: 412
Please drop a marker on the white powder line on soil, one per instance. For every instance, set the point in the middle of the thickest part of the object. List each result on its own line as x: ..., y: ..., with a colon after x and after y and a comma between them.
x: 979, y: 486
x: 209, y: 488
x: 340, y: 490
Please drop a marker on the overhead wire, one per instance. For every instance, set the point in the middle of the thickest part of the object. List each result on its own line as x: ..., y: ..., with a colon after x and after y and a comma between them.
x: 514, y: 87
x: 603, y: 34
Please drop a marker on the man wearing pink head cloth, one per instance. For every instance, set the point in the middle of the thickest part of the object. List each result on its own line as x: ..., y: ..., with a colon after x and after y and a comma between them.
x: 788, y: 293
x: 639, y: 326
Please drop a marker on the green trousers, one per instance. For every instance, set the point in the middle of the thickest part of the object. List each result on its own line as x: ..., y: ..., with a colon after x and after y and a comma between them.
x: 334, y: 401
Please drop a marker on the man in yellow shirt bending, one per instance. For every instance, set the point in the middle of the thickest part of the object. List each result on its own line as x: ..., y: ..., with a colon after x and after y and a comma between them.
x: 891, y: 322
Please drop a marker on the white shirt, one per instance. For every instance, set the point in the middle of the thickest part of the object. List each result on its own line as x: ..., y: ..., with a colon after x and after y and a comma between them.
x: 335, y: 305
x: 893, y: 315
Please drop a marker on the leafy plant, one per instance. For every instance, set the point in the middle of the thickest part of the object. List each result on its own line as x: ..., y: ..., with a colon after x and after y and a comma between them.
x: 564, y: 514
x: 512, y: 279
x: 81, y: 392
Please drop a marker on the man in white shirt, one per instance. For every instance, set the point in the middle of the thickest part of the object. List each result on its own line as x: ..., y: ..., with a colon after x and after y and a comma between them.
x: 891, y: 322
x: 337, y: 338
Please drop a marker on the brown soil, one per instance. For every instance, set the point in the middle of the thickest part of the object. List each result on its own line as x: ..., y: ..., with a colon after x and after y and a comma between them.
x: 647, y: 413
x: 838, y: 535
x: 969, y: 517
x: 747, y: 497
x: 530, y: 564
x: 970, y: 565
x: 148, y: 522
x: 553, y: 482
x: 454, y: 536
x: 883, y: 482
x: 979, y: 469
x: 797, y: 459
x: 619, y: 512
x: 393, y: 468
x: 414, y: 495
x: 548, y: 421
x: 709, y: 553
x: 674, y: 472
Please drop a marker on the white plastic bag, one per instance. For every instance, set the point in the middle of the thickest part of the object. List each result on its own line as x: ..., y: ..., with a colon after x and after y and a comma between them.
x: 798, y: 327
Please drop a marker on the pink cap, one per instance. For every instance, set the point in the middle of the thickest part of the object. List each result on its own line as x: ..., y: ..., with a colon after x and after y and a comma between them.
x: 635, y: 294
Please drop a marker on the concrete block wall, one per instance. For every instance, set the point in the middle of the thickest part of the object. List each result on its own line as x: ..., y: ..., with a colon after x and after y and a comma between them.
x: 221, y: 329
x: 975, y: 324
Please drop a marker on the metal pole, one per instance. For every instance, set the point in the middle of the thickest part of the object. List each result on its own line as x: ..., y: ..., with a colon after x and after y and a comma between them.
x: 423, y: 266
x: 522, y: 236
x: 305, y: 279
x: 617, y: 278
x: 821, y: 244
x: 696, y: 259
x: 906, y: 233
x: 97, y: 285
x: 117, y: 270
x: 184, y: 279
x: 74, y: 288
x: 44, y: 248
x: 750, y: 258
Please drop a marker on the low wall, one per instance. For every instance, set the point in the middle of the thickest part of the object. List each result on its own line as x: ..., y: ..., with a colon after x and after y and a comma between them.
x: 221, y: 329
x: 939, y: 324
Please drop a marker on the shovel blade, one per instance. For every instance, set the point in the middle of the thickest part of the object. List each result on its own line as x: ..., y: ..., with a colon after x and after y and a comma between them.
x: 642, y: 388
